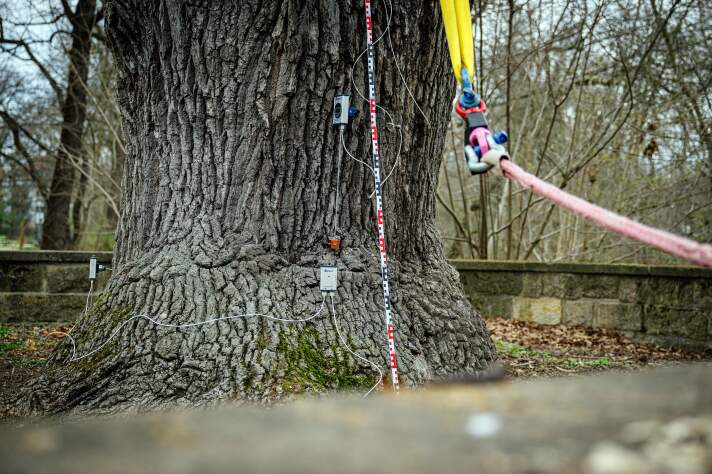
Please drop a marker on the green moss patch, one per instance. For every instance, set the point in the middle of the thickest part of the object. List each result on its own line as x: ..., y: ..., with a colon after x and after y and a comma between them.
x: 9, y: 341
x: 308, y: 369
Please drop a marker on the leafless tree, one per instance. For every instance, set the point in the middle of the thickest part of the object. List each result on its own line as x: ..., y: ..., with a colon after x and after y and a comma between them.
x: 591, y: 103
x: 54, y: 41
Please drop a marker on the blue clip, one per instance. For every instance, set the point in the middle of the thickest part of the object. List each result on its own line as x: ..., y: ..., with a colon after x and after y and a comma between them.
x: 500, y: 138
x: 468, y: 98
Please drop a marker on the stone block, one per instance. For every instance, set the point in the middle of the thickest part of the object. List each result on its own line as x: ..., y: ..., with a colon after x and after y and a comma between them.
x: 492, y: 283
x: 659, y: 291
x: 532, y: 284
x: 616, y: 315
x: 21, y: 277
x: 491, y: 306
x: 599, y: 286
x: 539, y: 310
x: 704, y: 298
x: 31, y: 307
x: 628, y: 289
x: 578, y: 312
x: 561, y: 285
x: 689, y: 292
x: 478, y: 301
x: 67, y: 278
x: 72, y: 278
x: 676, y: 292
x: 665, y: 321
x: 501, y: 307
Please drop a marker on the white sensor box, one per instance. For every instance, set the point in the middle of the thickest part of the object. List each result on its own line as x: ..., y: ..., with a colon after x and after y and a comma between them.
x: 328, y: 280
x: 341, y: 110
x: 93, y: 267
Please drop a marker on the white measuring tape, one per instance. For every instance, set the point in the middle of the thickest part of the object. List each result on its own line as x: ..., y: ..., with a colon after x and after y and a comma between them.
x: 379, y: 198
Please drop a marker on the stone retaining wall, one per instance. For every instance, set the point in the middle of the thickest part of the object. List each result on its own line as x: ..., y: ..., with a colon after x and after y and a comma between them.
x: 666, y: 305
x: 46, y: 286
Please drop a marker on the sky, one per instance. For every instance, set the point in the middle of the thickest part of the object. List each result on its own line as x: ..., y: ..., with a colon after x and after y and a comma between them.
x: 30, y: 20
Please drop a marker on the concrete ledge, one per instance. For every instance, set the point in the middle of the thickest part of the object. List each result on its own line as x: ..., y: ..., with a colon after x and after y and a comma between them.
x: 586, y: 268
x: 51, y: 256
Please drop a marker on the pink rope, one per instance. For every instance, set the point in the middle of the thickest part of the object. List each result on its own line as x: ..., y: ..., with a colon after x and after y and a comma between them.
x: 695, y: 252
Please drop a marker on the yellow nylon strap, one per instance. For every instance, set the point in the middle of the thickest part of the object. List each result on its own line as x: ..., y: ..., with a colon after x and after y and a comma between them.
x: 464, y: 28
x: 453, y: 43
x: 458, y: 30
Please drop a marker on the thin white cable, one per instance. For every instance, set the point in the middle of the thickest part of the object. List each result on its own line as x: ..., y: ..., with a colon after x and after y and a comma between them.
x: 395, y: 165
x: 358, y: 91
x: 343, y: 144
x: 74, y: 357
x: 82, y: 319
x: 389, y: 14
x: 86, y: 308
x: 338, y: 182
x: 400, y: 73
x: 387, y: 31
x: 346, y: 346
x: 390, y: 121
x: 86, y: 305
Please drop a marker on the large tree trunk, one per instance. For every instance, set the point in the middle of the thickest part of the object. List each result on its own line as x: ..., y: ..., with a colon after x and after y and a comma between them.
x: 56, y: 231
x: 228, y: 192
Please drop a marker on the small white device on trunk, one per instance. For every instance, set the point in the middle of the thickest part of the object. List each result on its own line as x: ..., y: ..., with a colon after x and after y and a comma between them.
x: 341, y: 110
x: 93, y: 268
x: 328, y: 279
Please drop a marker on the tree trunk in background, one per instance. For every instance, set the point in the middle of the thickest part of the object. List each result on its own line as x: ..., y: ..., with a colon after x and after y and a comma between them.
x: 80, y: 195
x: 228, y: 191
x: 56, y: 231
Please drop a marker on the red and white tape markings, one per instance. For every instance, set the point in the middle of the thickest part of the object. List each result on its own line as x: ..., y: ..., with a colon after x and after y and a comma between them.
x: 379, y: 198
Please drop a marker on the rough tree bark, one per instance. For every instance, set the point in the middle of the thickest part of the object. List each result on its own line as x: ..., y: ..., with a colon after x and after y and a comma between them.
x: 228, y: 191
x: 56, y: 230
